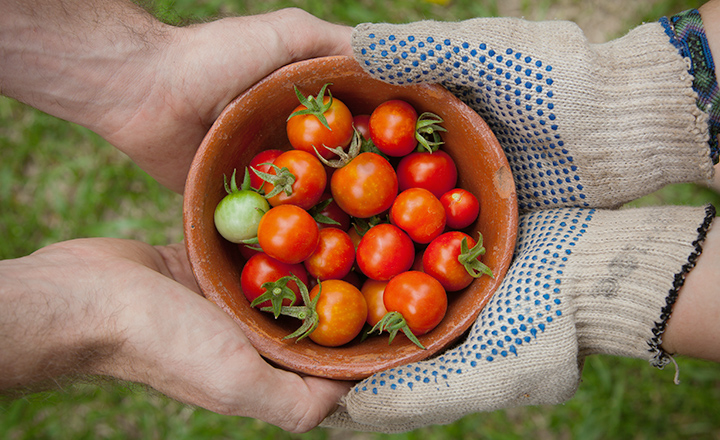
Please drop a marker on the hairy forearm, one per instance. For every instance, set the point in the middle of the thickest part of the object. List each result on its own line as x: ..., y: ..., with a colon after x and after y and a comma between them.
x: 71, y: 58
x: 44, y: 333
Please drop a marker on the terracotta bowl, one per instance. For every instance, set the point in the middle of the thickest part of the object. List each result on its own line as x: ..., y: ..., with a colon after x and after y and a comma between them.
x: 255, y: 121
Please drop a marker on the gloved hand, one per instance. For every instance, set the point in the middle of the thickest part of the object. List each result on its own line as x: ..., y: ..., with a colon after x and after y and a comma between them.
x: 584, y: 127
x: 581, y: 124
x: 584, y: 281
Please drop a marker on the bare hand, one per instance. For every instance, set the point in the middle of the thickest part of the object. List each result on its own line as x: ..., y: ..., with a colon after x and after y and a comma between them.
x: 150, y: 89
x: 129, y: 310
x: 204, y: 68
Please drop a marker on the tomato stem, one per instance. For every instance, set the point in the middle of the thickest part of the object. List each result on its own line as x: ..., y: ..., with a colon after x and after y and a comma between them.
x: 427, y: 132
x: 232, y: 187
x: 344, y: 157
x: 470, y: 258
x: 252, y: 243
x: 276, y: 292
x: 393, y: 322
x: 282, y: 180
x: 314, y: 106
x: 307, y: 312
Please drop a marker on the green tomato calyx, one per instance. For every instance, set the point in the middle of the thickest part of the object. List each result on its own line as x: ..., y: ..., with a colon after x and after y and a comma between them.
x: 427, y: 132
x: 232, y: 186
x: 276, y: 292
x: 470, y: 258
x: 393, y: 322
x: 344, y: 157
x: 307, y: 313
x: 282, y: 180
x: 315, y: 106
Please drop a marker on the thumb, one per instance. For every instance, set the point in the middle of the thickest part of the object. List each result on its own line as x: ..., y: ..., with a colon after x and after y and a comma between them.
x: 306, y: 36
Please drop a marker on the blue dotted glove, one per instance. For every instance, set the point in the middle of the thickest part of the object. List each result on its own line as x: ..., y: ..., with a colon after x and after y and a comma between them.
x: 584, y: 281
x: 582, y: 125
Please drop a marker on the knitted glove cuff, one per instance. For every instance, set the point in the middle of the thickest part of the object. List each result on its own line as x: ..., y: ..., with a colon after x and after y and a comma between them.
x: 659, y: 357
x: 687, y: 34
x: 625, y: 278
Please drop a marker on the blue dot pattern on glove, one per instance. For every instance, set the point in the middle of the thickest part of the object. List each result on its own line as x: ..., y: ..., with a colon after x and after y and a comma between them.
x: 512, y: 91
x: 527, y: 302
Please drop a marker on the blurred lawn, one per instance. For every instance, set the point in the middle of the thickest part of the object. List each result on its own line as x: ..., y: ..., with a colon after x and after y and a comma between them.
x: 59, y: 181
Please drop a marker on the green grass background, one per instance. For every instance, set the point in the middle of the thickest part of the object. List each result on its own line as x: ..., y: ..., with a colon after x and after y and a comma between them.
x: 59, y: 181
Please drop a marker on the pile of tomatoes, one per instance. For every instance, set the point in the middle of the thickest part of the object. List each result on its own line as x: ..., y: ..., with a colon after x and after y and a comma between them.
x: 358, y: 225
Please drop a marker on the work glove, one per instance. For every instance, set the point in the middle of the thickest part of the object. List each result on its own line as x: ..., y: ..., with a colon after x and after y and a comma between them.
x: 585, y: 128
x: 584, y: 281
x: 581, y: 124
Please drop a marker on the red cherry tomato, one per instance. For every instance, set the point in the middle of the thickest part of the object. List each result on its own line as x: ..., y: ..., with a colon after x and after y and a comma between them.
x: 262, y: 268
x: 461, y: 208
x: 362, y: 125
x: 373, y: 290
x: 333, y: 257
x: 385, y: 251
x: 310, y: 179
x: 436, y: 172
x: 261, y: 162
x: 288, y: 233
x: 419, y: 213
x: 419, y: 298
x: 393, y: 127
x: 445, y: 260
x: 440, y: 260
x: 342, y: 312
x: 307, y: 133
x: 366, y: 186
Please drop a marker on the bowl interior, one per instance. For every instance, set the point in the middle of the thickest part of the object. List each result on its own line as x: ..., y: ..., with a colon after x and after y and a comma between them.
x: 255, y: 121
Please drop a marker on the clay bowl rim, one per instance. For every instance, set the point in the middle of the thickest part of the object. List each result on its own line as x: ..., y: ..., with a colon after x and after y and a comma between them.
x: 211, y: 257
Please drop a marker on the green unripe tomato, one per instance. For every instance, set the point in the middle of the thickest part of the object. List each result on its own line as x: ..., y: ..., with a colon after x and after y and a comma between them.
x: 238, y: 214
